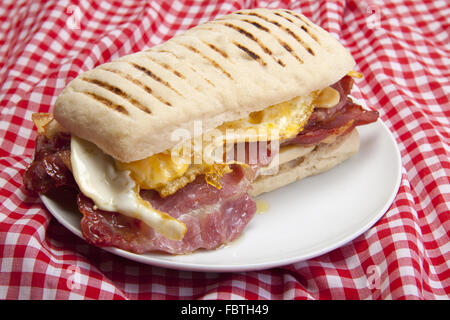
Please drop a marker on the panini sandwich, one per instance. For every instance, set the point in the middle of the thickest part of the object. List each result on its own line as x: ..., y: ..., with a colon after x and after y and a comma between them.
x: 167, y: 147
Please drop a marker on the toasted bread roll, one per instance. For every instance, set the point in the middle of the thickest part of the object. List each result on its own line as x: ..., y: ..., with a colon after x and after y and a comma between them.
x: 216, y: 72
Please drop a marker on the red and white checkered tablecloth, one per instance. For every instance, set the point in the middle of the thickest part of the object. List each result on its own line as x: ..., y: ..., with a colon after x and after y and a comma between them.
x: 403, y: 49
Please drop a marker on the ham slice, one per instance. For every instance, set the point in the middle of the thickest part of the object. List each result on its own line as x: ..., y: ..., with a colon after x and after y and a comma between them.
x: 51, y: 165
x: 212, y: 217
x: 325, y: 122
x: 348, y: 116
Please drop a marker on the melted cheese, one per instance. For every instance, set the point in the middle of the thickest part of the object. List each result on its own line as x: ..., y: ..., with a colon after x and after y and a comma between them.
x: 114, y: 190
x: 327, y: 98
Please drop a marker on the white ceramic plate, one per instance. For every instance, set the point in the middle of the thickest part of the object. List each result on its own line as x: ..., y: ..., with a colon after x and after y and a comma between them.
x: 305, y: 219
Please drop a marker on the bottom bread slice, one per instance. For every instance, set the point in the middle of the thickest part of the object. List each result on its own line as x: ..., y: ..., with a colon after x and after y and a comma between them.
x: 322, y: 158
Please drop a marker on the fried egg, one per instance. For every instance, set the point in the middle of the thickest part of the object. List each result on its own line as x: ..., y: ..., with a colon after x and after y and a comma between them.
x: 113, y: 189
x: 286, y: 119
x: 278, y: 122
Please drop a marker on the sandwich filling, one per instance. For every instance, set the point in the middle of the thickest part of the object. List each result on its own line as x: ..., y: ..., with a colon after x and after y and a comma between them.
x: 178, y: 201
x: 212, y: 153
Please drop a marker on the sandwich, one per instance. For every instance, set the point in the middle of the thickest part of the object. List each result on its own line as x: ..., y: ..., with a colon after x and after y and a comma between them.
x: 167, y: 147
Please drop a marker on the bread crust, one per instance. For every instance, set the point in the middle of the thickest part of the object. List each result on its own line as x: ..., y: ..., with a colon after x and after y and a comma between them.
x: 216, y: 72
x: 321, y: 159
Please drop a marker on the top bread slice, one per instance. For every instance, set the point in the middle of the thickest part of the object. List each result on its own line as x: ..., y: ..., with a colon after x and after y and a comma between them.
x: 216, y: 72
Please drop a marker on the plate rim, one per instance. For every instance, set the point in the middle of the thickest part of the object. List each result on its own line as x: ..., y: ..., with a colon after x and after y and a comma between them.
x: 201, y: 267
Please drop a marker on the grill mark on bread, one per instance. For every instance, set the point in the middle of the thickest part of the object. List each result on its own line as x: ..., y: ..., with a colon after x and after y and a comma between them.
x: 142, y: 85
x: 304, y: 21
x: 250, y: 53
x: 292, y: 34
x: 116, y: 91
x: 257, y: 25
x: 308, y: 48
x: 297, y: 16
x: 290, y: 50
x: 136, y: 82
x: 209, y: 59
x: 279, y: 25
x: 249, y: 35
x: 222, y: 53
x: 190, y: 67
x: 154, y: 76
x: 106, y: 102
x: 281, y: 42
x: 201, y: 74
x: 278, y: 14
x: 167, y: 51
x: 166, y: 66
